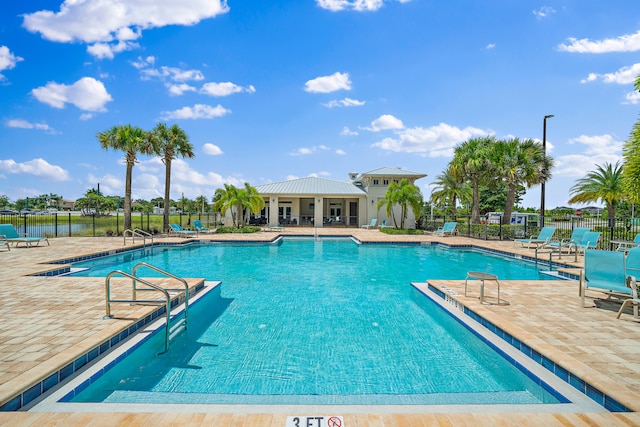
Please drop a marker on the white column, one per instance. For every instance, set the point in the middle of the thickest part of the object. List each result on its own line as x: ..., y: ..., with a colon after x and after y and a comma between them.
x: 273, y: 210
x: 318, y: 209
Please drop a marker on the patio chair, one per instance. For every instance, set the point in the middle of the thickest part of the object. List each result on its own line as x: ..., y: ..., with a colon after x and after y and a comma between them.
x: 197, y: 224
x: 5, y: 242
x: 625, y: 246
x: 541, y: 239
x: 606, y: 271
x: 10, y: 234
x: 632, y: 270
x: 372, y: 224
x: 589, y: 241
x: 383, y: 224
x: 576, y: 236
x: 447, y: 229
x: 179, y: 231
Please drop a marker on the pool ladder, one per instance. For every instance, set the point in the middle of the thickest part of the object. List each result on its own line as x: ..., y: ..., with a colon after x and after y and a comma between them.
x: 180, y: 322
x: 131, y: 234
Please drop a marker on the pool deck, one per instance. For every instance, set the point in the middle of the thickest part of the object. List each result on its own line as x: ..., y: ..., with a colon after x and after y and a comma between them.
x: 48, y: 322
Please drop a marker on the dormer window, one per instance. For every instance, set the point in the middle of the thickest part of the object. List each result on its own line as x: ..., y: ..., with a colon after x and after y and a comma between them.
x: 385, y: 182
x: 376, y: 182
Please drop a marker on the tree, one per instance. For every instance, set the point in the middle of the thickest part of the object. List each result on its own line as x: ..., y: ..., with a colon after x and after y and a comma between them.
x: 4, y: 201
x: 450, y: 188
x: 517, y: 163
x: 631, y: 155
x: 605, y: 184
x: 406, y: 196
x: 226, y: 200
x: 471, y: 161
x: 169, y: 143
x: 250, y: 200
x: 132, y: 140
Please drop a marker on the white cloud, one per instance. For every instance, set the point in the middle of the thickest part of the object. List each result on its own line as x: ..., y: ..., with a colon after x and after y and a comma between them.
x: 632, y: 97
x: 357, y: 5
x: 385, y: 122
x: 224, y: 89
x: 211, y: 149
x: 24, y: 124
x: 544, y: 12
x: 113, y: 26
x: 490, y: 46
x: 348, y: 132
x: 340, y: 152
x: 198, y: 111
x: 346, y: 102
x: 36, y: 167
x: 86, y: 116
x: 87, y: 94
x: 177, y: 90
x: 110, y: 185
x: 327, y: 84
x: 597, y: 150
x: 625, y: 43
x: 306, y: 151
x: 436, y: 141
x: 7, y: 60
x: 623, y: 76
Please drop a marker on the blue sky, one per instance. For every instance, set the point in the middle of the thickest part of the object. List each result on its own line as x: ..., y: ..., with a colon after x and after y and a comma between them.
x: 274, y: 90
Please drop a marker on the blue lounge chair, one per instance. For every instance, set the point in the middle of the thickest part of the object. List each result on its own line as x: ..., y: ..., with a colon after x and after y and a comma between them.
x: 383, y: 224
x: 606, y: 271
x: 197, y: 224
x: 576, y: 236
x: 9, y: 233
x: 589, y: 241
x: 542, y: 239
x: 632, y: 270
x: 625, y: 246
x: 447, y: 229
x: 370, y: 225
x: 179, y: 231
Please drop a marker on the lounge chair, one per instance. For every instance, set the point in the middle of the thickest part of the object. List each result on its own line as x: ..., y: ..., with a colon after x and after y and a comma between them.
x: 576, y: 236
x: 372, y: 224
x: 5, y: 242
x: 632, y: 271
x: 383, y: 224
x: 625, y: 246
x: 197, y: 224
x: 9, y: 233
x: 589, y: 241
x: 541, y: 239
x: 447, y: 229
x: 606, y: 271
x: 179, y: 231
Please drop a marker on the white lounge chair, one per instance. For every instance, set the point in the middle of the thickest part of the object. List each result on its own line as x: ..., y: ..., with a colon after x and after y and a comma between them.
x: 372, y: 224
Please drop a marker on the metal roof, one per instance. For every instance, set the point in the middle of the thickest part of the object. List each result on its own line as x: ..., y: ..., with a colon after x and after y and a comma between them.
x: 310, y: 187
x: 394, y: 172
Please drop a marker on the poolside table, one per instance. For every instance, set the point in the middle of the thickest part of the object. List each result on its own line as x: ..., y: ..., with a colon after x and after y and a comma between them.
x: 482, y: 277
x: 623, y: 245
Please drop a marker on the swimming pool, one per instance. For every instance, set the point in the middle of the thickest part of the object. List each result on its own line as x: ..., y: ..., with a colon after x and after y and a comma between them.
x: 322, y: 322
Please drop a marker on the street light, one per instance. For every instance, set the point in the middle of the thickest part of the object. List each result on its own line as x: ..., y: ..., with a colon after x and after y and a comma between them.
x: 544, y: 150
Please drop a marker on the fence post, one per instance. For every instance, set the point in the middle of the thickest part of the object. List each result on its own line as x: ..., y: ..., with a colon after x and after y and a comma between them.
x: 93, y: 215
x: 56, y: 225
x: 69, y: 223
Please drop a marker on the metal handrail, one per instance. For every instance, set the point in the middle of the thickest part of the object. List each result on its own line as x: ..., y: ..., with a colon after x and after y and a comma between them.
x: 166, y: 273
x: 154, y: 288
x: 137, y: 232
x: 134, y: 300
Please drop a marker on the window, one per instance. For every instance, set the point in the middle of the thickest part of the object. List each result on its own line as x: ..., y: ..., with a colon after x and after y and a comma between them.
x: 376, y: 182
x: 385, y: 182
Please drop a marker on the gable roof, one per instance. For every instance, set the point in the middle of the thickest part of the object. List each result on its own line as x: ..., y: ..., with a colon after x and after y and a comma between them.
x: 311, y: 186
x: 394, y: 172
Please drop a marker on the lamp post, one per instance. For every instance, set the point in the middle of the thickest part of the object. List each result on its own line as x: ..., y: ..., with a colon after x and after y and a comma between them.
x: 544, y: 150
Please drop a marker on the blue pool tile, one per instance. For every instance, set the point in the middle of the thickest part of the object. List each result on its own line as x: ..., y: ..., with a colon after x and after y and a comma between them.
x: 614, y: 406
x: 80, y: 362
x: 66, y: 372
x: 562, y: 373
x: 12, y: 405
x: 31, y: 394
x: 577, y: 383
x: 50, y: 381
x: 595, y: 394
x: 548, y: 364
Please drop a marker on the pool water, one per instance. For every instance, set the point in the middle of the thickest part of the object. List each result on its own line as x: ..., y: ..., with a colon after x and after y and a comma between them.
x: 317, y: 322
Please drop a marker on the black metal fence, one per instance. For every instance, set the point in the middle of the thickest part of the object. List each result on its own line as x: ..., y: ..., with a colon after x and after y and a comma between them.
x: 68, y: 224
x: 621, y: 229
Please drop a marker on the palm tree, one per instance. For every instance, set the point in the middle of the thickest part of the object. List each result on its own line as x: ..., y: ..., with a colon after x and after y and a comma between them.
x: 169, y: 143
x: 471, y: 160
x: 132, y: 140
x: 406, y: 196
x: 250, y: 201
x: 227, y: 199
x: 631, y: 154
x: 450, y: 188
x: 516, y: 163
x: 603, y: 184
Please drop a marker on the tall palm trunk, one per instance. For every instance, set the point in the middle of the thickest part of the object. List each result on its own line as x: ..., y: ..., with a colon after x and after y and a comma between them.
x: 167, y: 191
x: 508, y: 207
x: 127, y: 195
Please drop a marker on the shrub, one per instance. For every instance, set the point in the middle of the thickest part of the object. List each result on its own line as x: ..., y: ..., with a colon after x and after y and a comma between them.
x: 388, y: 230
x: 244, y: 230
